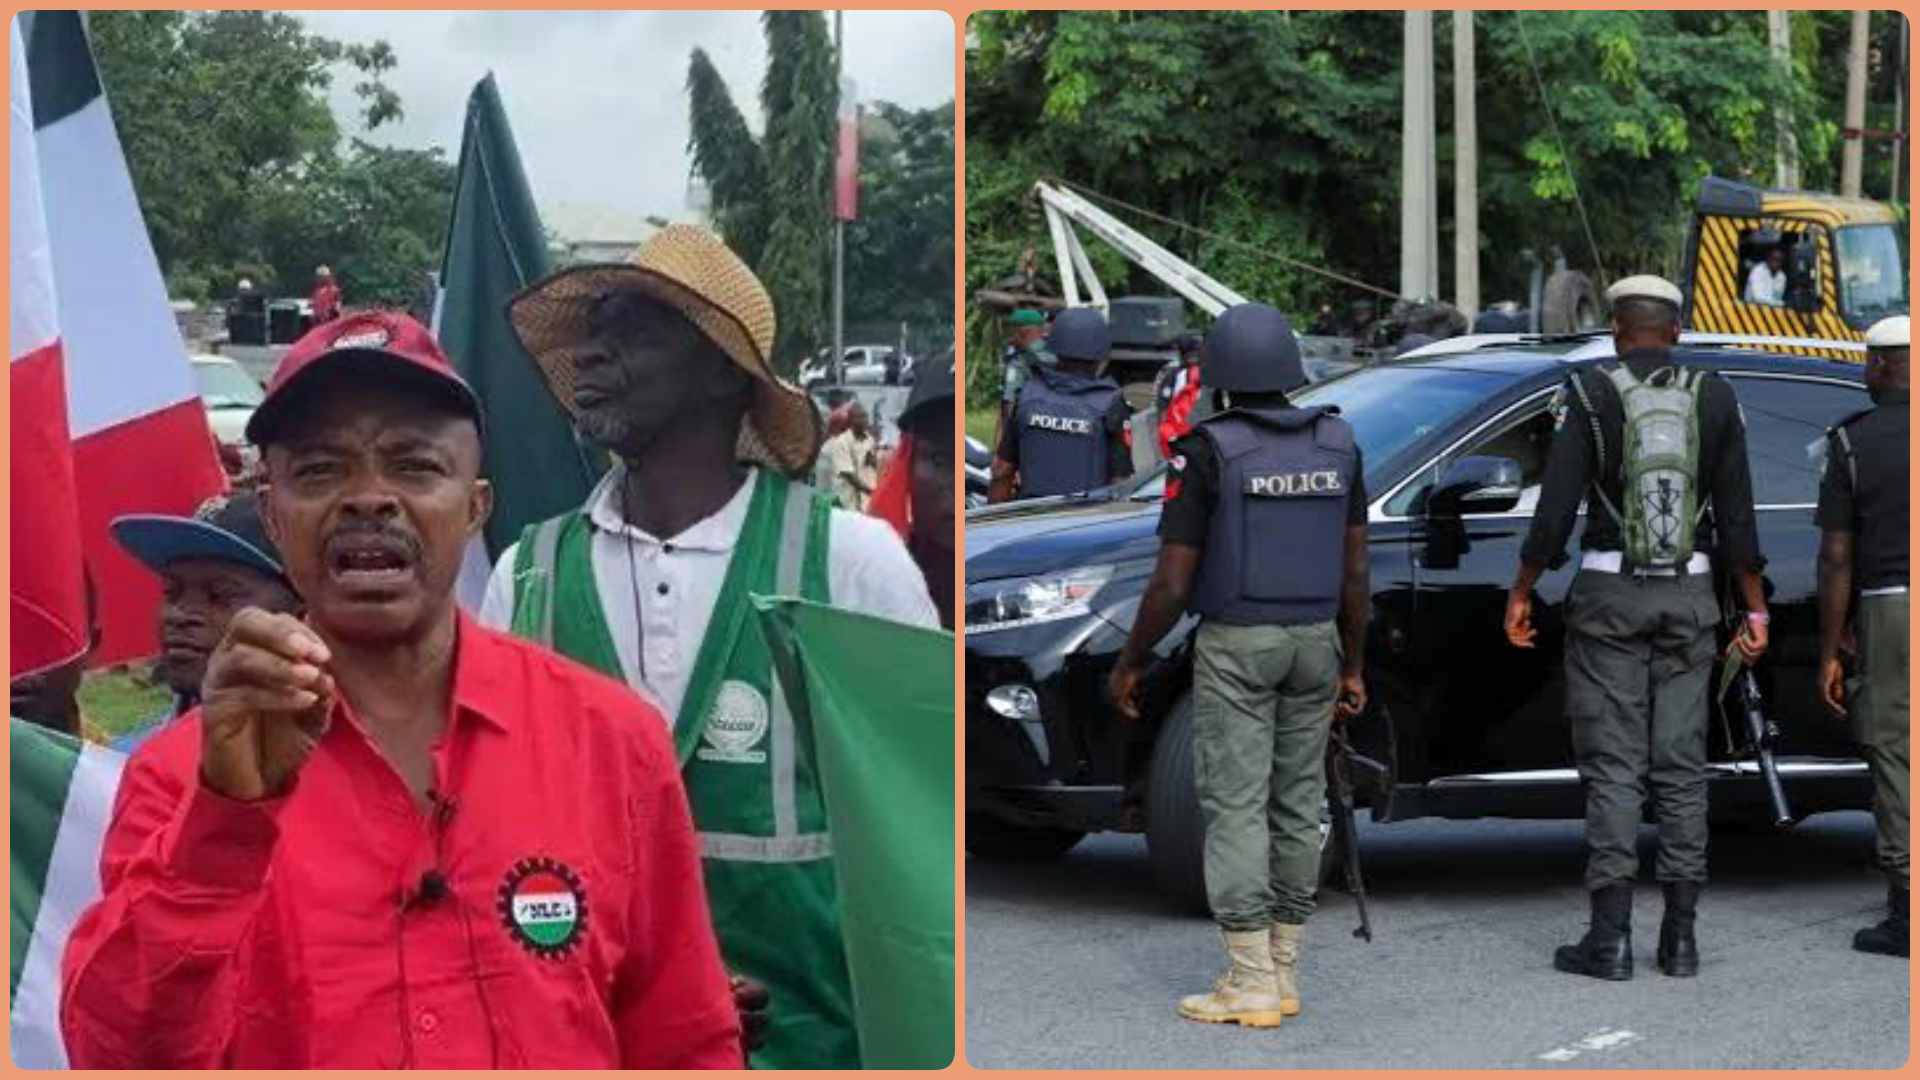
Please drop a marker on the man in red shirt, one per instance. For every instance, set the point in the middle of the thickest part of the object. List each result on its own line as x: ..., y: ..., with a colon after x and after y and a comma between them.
x: 390, y: 837
x: 325, y: 300
x: 1178, y: 393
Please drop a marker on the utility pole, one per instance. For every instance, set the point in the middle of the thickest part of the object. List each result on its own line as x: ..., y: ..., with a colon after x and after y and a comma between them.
x: 1419, y: 249
x: 1856, y: 120
x: 839, y: 227
x: 1466, y: 178
x: 1786, y: 170
x: 1900, y: 118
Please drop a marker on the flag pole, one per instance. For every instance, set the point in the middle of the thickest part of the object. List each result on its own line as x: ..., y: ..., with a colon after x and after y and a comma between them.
x: 839, y: 225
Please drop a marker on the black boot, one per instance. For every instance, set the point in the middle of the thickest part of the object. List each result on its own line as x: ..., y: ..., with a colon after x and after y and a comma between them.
x: 1607, y: 950
x: 1890, y: 937
x: 1678, y: 955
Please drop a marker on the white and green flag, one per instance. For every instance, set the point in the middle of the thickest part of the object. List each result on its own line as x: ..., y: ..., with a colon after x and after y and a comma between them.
x: 63, y: 793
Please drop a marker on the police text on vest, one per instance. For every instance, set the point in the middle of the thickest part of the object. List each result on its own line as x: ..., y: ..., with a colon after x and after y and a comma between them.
x: 1282, y: 485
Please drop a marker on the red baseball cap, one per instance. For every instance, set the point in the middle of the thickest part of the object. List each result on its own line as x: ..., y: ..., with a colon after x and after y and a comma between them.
x: 380, y: 344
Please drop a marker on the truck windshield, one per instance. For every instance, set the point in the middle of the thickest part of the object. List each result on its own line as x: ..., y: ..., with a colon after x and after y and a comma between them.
x: 1873, y: 277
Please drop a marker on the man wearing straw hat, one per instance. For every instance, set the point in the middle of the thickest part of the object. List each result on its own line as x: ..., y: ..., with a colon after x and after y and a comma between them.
x: 664, y: 361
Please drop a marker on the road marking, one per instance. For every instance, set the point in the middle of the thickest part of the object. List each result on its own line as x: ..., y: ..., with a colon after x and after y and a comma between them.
x: 1596, y: 1042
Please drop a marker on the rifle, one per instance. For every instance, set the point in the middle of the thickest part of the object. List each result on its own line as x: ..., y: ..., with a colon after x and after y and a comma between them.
x: 1341, y: 758
x: 1762, y: 733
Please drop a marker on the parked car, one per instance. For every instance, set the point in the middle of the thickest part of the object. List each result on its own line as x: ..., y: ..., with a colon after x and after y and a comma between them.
x: 864, y: 365
x: 230, y: 396
x: 1465, y: 725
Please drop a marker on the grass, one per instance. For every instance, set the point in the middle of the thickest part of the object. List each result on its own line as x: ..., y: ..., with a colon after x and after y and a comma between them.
x: 116, y: 699
x: 980, y: 424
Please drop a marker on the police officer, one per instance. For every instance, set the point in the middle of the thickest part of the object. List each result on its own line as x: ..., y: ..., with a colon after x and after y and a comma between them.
x: 1026, y: 348
x: 1264, y: 536
x: 1863, y: 552
x: 1068, y: 429
x: 1640, y: 639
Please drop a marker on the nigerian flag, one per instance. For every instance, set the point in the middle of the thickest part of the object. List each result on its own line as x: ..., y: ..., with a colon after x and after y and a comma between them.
x: 495, y: 248
x: 875, y: 698
x: 63, y: 793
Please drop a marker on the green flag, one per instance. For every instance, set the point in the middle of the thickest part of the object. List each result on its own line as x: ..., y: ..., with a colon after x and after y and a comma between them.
x: 495, y: 248
x: 875, y: 699
x: 63, y: 792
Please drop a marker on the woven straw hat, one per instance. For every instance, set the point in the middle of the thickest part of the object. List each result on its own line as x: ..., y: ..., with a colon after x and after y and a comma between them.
x: 690, y: 270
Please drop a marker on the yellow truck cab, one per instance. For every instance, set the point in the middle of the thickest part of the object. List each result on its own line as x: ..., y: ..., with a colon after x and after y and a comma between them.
x: 1842, y: 266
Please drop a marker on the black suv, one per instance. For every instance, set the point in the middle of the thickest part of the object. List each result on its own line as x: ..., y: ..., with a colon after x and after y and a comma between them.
x: 1465, y: 725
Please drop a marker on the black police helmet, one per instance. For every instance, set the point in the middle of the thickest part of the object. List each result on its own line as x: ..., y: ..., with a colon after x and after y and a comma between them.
x: 1251, y: 349
x: 1080, y: 334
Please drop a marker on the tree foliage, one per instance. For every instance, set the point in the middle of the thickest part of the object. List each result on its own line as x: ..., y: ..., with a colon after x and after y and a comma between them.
x: 900, y: 250
x: 802, y: 91
x: 771, y: 194
x: 1281, y: 131
x: 728, y: 157
x: 240, y: 164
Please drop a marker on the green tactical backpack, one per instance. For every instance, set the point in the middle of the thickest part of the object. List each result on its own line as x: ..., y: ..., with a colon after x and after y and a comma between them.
x: 1661, y: 505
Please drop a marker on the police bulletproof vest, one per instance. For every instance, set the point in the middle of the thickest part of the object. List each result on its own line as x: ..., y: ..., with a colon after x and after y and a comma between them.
x: 1063, y: 436
x: 1275, y: 545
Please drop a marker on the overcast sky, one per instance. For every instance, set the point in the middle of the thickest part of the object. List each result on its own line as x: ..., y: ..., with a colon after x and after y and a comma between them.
x: 597, y: 99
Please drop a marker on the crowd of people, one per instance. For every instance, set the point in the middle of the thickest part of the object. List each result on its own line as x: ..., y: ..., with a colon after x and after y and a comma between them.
x: 574, y: 828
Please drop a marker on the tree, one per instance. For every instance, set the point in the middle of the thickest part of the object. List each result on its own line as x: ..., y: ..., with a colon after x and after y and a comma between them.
x: 1279, y: 132
x: 771, y: 194
x: 900, y: 250
x: 238, y: 159
x: 376, y: 215
x: 801, y: 89
x: 728, y: 157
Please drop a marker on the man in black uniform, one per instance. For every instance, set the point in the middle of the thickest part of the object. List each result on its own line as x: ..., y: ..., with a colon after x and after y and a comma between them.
x: 1069, y: 424
x: 1640, y: 634
x: 1264, y: 536
x: 1863, y: 552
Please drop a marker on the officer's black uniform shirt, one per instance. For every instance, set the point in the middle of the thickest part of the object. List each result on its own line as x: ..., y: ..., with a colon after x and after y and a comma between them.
x: 1194, y: 488
x: 1119, y: 457
x: 1875, y: 508
x: 1727, y: 532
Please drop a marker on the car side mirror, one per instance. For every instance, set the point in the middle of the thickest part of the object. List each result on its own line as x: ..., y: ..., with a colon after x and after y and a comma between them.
x: 1475, y: 485
x: 1803, y: 279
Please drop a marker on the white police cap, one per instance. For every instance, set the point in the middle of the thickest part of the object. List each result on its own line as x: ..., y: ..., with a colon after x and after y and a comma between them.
x: 1888, y: 333
x: 1644, y: 287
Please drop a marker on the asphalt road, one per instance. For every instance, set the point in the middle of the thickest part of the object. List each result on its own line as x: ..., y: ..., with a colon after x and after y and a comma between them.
x: 1078, y: 963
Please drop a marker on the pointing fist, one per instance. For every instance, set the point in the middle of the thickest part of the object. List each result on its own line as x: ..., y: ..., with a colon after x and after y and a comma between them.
x: 265, y: 705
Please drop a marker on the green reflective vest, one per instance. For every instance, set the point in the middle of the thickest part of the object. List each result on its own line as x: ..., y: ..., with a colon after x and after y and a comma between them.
x: 752, y: 783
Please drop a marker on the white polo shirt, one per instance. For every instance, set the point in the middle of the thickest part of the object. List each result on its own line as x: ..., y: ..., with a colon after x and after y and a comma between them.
x: 677, y: 582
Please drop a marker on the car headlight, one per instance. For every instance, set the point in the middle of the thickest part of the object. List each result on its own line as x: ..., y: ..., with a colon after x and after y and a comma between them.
x: 1017, y: 602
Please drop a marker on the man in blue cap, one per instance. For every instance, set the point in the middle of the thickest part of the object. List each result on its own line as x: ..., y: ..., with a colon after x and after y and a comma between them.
x: 211, y: 566
x: 1264, y: 536
x: 1068, y: 430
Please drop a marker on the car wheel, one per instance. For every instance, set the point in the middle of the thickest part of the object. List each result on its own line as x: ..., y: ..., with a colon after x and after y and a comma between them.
x: 1332, y: 873
x: 990, y: 838
x: 1176, y: 830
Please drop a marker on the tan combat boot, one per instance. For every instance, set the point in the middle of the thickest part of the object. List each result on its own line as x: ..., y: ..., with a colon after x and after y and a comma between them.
x: 1286, y: 953
x: 1245, y: 994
